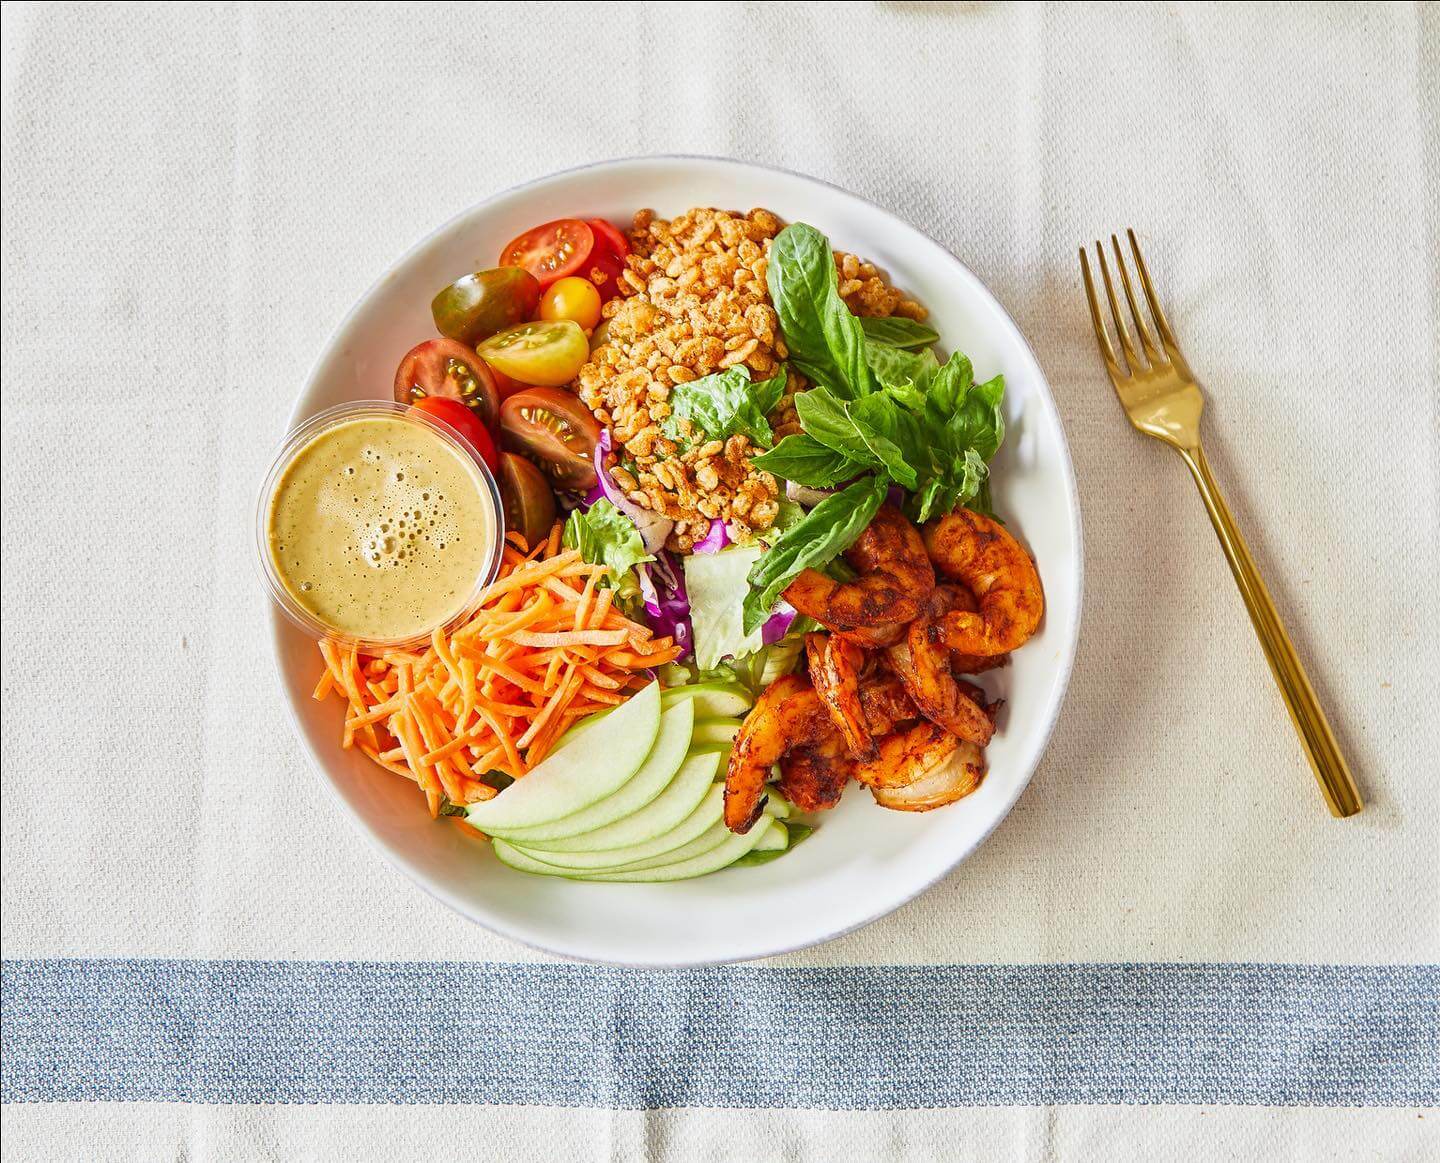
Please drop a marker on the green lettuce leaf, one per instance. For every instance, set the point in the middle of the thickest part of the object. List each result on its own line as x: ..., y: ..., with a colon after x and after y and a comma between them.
x: 725, y: 404
x: 605, y: 536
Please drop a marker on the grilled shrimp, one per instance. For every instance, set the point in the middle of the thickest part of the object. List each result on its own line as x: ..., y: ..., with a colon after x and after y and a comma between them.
x: 873, y: 637
x: 835, y: 673
x: 895, y: 579
x: 813, y: 776
x: 923, y: 665
x: 763, y: 739
x: 960, y: 663
x: 954, y: 780
x: 907, y: 756
x: 981, y: 555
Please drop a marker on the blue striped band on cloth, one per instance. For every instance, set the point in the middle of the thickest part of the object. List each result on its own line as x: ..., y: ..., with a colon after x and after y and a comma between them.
x: 864, y: 1037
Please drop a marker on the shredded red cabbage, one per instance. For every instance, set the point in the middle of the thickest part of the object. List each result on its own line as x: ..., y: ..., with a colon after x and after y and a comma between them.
x: 653, y: 528
x: 715, y: 540
x: 779, y: 623
x: 667, y: 606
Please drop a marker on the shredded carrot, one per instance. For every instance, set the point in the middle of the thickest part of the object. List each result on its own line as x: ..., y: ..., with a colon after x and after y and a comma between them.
x: 545, y: 648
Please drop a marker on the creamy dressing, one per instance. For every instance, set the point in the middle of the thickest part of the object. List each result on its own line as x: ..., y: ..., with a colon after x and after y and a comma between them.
x: 380, y: 529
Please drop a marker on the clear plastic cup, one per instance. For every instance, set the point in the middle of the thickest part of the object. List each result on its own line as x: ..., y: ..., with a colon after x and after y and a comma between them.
x: 302, y: 437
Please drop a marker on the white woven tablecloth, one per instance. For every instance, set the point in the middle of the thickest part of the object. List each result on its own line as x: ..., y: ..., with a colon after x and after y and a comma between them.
x: 194, y: 195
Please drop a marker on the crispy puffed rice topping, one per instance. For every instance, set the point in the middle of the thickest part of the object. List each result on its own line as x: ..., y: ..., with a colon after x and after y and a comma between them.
x: 696, y: 302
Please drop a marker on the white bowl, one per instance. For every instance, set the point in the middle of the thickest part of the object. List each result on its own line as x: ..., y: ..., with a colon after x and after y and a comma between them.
x: 862, y: 861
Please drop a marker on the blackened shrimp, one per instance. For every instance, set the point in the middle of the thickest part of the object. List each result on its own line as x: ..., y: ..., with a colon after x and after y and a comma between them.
x: 835, y: 666
x: 922, y: 663
x: 895, y: 579
x: 904, y: 757
x: 981, y: 555
x: 813, y: 776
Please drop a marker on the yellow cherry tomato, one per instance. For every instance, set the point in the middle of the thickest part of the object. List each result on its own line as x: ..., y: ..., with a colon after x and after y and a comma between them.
x: 573, y: 299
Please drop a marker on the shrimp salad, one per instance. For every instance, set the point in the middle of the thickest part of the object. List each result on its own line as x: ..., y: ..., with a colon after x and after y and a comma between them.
x: 750, y: 554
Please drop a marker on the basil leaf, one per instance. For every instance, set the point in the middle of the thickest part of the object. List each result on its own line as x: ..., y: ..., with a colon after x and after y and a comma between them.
x: 826, y: 342
x: 898, y: 331
x: 891, y: 439
x: 723, y: 405
x: 894, y: 368
x: 829, y: 528
x: 605, y: 536
x: 806, y: 461
x: 825, y: 417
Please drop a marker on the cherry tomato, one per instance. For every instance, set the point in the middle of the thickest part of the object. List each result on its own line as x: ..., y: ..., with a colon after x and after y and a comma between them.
x: 607, y: 260
x: 505, y: 385
x: 477, y: 306
x: 548, y: 353
x: 572, y: 298
x: 529, y: 503
x: 605, y: 232
x: 551, y: 251
x: 556, y: 431
x: 465, y: 422
x: 446, y: 368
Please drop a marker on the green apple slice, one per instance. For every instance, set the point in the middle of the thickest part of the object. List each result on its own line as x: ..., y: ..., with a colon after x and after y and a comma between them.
x: 719, y: 731
x: 575, y: 777
x: 721, y: 856
x: 654, y: 777
x: 705, y: 816
x: 713, y: 700
x: 655, y: 820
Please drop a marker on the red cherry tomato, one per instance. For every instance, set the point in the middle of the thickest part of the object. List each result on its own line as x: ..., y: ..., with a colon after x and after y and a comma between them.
x: 551, y: 251
x: 465, y: 422
x: 447, y: 368
x: 607, y: 260
x: 605, y: 232
x: 505, y: 386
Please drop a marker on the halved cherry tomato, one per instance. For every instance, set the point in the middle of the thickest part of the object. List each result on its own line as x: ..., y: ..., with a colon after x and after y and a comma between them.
x: 551, y: 251
x: 505, y: 385
x: 572, y: 298
x: 477, y: 306
x: 448, y: 369
x: 548, y: 353
x: 465, y: 422
x: 605, y: 232
x: 607, y: 260
x: 529, y: 503
x: 556, y: 431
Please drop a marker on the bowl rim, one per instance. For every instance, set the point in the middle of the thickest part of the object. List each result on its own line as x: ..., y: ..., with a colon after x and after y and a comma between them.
x: 300, y: 413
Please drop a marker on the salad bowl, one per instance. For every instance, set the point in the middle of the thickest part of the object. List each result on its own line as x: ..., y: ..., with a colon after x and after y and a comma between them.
x: 861, y: 863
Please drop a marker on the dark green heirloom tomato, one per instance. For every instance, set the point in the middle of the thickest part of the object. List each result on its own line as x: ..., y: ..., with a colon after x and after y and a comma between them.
x: 479, y: 305
x: 529, y: 503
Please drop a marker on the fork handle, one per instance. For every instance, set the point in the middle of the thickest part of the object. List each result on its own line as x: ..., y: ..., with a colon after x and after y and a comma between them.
x: 1338, y: 785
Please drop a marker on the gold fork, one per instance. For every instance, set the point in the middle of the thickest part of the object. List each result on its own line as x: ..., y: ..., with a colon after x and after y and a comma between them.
x: 1162, y: 399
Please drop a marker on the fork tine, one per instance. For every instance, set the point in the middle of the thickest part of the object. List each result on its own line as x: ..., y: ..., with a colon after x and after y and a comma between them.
x: 1102, y: 337
x: 1172, y: 345
x: 1132, y: 357
x: 1152, y: 349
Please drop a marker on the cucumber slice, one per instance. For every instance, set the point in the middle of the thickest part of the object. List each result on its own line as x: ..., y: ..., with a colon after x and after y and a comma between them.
x: 654, y: 777
x: 659, y: 817
x: 715, y: 731
x: 572, y: 778
x: 713, y: 700
x: 705, y: 816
